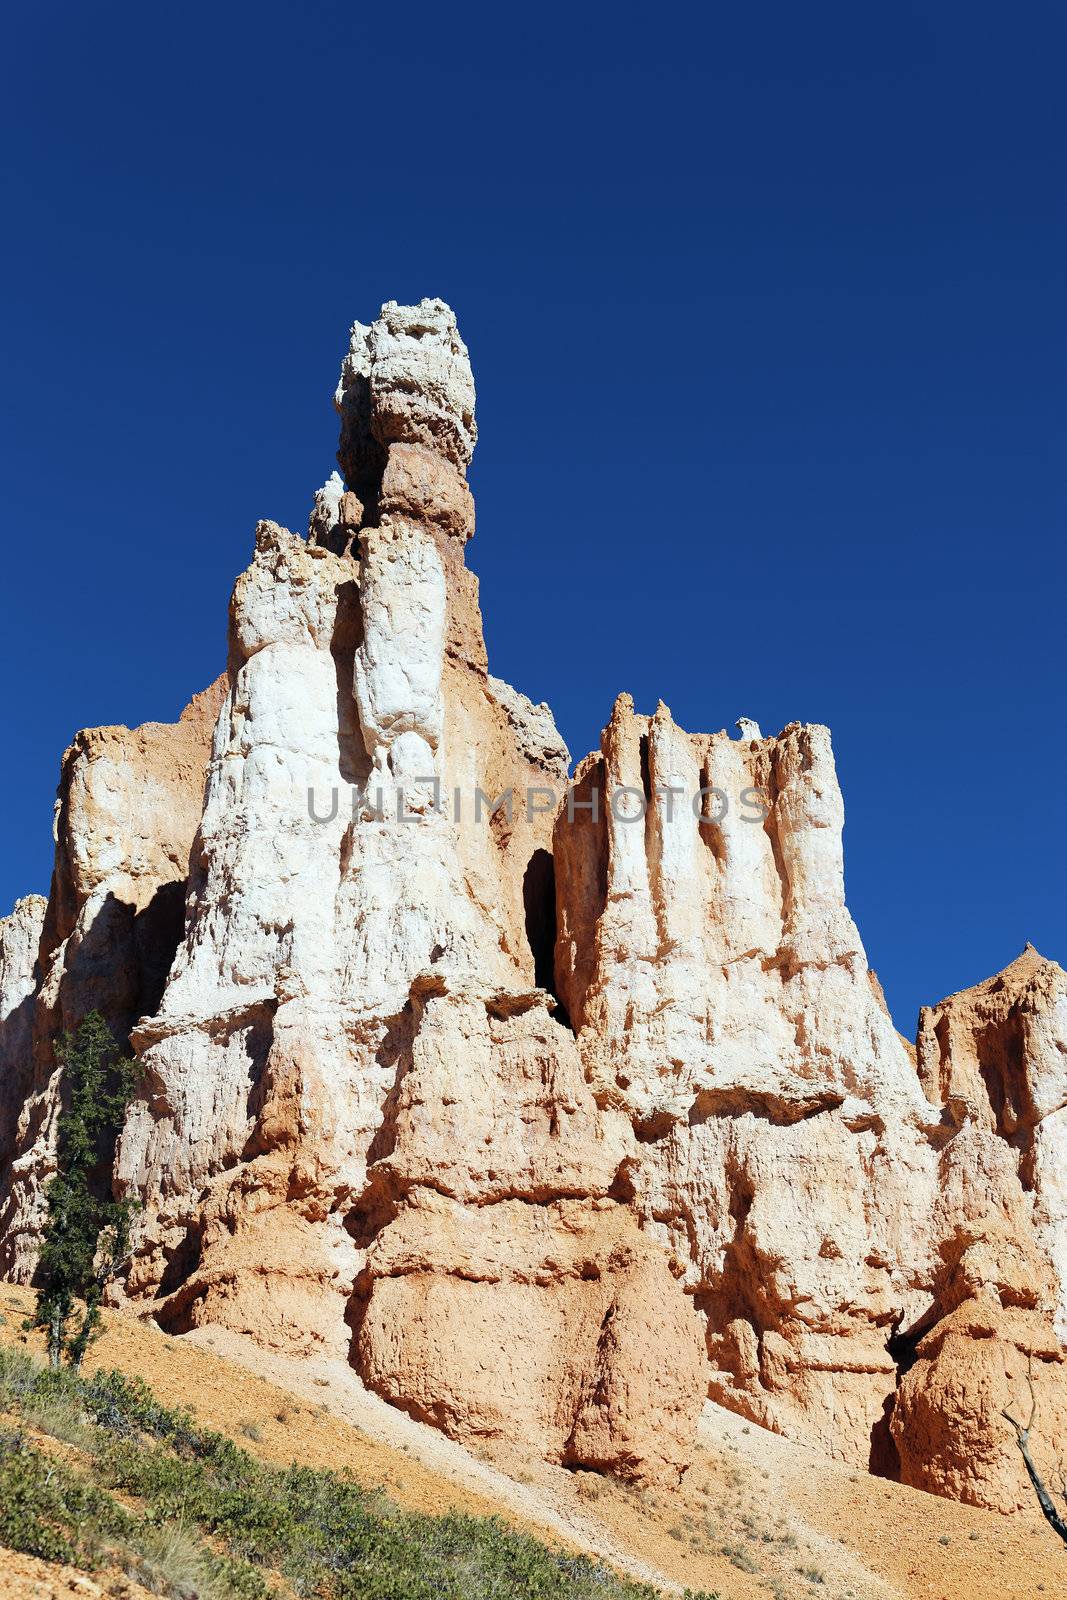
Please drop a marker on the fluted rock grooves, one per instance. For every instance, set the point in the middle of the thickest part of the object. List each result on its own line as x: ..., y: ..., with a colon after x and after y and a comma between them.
x: 554, y: 1116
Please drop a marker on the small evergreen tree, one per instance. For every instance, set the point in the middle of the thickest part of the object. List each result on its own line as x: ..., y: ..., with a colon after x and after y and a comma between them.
x: 86, y: 1235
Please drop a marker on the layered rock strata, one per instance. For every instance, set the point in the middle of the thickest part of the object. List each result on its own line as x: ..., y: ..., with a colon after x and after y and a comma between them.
x: 722, y: 1000
x: 836, y: 1228
x: 995, y: 1057
x: 552, y: 1119
x: 364, y: 1129
x: 128, y: 807
x: 20, y: 939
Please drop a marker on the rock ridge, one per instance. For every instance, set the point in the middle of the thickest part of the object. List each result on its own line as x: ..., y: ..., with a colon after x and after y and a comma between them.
x: 551, y: 1122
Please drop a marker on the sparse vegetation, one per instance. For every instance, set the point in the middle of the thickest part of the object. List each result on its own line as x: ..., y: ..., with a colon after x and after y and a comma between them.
x: 739, y: 1558
x: 188, y: 1512
x: 173, y: 1561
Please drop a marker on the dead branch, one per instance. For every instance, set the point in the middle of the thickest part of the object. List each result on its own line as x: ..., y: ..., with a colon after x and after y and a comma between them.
x: 1022, y: 1439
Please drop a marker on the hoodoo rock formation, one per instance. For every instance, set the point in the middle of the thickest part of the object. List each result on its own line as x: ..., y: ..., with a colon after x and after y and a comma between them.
x: 554, y: 1103
x: 126, y: 813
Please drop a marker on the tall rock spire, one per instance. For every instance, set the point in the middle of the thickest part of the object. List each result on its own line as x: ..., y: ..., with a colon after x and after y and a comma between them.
x: 550, y: 1127
x: 406, y: 382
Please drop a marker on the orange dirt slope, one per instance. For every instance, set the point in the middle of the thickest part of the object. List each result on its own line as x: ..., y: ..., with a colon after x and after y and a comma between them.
x: 756, y: 1515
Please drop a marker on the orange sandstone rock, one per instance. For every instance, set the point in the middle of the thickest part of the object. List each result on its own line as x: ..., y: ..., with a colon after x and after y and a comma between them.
x: 552, y: 1126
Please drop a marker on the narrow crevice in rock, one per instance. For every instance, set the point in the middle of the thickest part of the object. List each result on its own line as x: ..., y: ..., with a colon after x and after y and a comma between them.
x: 539, y: 907
x: 366, y: 1126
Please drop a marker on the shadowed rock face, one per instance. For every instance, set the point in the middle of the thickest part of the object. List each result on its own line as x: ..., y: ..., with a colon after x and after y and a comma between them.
x: 364, y: 1129
x: 127, y: 810
x: 20, y: 939
x: 552, y: 1127
x: 996, y: 1057
x: 867, y: 1263
x: 723, y: 1002
x: 407, y: 380
x: 872, y: 1269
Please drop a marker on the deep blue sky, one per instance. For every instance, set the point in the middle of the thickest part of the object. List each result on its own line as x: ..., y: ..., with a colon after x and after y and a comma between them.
x: 767, y: 313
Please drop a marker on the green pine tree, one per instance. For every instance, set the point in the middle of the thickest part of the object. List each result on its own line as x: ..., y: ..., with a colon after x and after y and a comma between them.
x: 86, y: 1235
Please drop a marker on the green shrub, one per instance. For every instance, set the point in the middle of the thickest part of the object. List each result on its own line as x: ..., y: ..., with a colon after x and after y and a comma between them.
x: 215, y: 1522
x: 49, y: 1510
x: 174, y: 1561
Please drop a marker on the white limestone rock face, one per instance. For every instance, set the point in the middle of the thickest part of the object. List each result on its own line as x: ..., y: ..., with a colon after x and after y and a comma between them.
x: 722, y: 998
x: 399, y: 662
x: 406, y: 379
x: 868, y: 1266
x: 20, y: 939
x: 367, y: 1126
x: 352, y: 1029
x: 326, y: 511
x: 535, y: 728
x: 248, y: 1023
x: 723, y: 954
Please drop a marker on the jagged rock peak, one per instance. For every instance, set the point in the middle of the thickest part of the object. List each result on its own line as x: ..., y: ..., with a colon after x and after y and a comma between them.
x: 551, y: 1125
x: 539, y: 740
x: 336, y: 517
x: 406, y: 379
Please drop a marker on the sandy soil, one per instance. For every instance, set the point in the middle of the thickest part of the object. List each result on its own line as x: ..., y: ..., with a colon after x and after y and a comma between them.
x: 26, y: 1578
x: 756, y: 1515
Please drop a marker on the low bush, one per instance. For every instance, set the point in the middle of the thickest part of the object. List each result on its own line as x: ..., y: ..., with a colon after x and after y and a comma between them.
x: 48, y: 1509
x: 214, y: 1522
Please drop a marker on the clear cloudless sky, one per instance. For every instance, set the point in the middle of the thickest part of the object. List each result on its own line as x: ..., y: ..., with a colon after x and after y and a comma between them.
x: 767, y: 312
